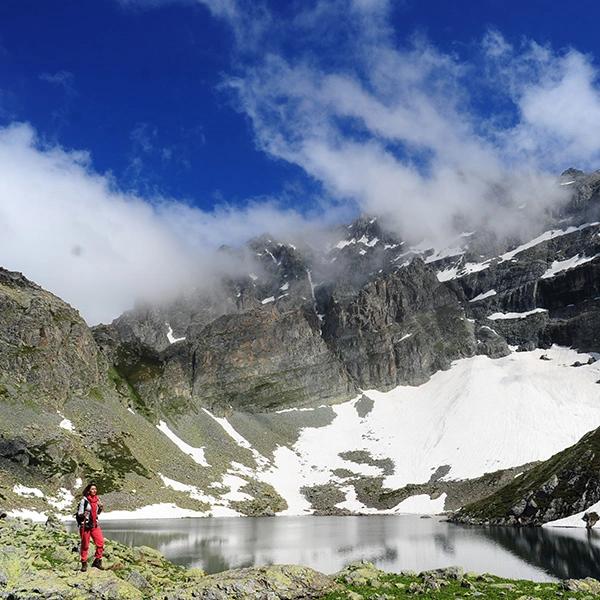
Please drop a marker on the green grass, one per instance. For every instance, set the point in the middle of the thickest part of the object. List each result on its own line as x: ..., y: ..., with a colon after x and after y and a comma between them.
x: 392, y: 586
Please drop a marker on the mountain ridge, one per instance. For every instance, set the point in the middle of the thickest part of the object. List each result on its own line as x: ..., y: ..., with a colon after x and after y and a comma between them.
x: 204, y: 402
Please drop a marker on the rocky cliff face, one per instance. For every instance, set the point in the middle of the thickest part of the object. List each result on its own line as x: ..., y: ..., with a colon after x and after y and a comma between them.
x: 400, y: 328
x: 47, y: 352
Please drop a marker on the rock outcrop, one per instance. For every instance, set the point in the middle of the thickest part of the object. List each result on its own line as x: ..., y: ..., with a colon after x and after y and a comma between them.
x: 564, y: 485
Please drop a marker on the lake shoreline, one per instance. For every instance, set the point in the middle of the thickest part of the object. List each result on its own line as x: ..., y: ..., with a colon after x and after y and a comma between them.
x: 37, y: 560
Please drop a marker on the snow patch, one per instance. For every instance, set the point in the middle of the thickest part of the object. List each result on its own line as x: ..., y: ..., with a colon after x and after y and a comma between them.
x: 574, y: 520
x: 462, y: 270
x: 172, y: 339
x: 162, y: 510
x: 479, y: 416
x: 515, y: 315
x: 558, y: 266
x: 197, y: 454
x: 268, y: 300
x: 483, y: 296
x: 237, y: 438
x: 352, y: 503
x: 27, y: 492
x: 421, y: 504
x: 29, y: 514
x: 66, y: 424
x: 63, y: 499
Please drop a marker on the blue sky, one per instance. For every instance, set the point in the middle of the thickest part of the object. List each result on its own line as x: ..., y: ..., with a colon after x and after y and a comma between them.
x: 138, y: 136
x: 138, y: 85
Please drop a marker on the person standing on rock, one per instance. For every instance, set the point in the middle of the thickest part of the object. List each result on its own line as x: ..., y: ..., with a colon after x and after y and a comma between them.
x: 87, y: 518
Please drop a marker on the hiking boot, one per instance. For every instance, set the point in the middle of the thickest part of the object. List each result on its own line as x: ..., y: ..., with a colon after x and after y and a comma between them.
x: 84, y: 565
x: 97, y: 564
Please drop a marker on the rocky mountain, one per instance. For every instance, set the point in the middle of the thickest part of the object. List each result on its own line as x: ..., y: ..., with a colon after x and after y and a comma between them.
x: 363, y: 373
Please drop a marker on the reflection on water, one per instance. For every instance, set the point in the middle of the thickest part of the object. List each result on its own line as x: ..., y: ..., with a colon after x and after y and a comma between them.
x: 393, y: 543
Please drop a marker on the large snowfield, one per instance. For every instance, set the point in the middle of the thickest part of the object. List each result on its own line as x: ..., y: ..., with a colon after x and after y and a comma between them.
x: 480, y: 416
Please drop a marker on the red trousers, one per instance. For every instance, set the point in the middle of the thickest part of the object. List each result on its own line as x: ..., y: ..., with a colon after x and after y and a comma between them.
x: 98, y: 539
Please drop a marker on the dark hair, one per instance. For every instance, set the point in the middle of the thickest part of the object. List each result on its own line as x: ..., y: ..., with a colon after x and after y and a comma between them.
x: 88, y: 487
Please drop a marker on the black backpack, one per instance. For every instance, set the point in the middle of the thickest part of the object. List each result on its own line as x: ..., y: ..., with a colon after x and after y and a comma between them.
x: 81, y: 518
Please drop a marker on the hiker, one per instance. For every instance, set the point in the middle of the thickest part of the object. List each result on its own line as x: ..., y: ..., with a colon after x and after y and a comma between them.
x: 87, y: 518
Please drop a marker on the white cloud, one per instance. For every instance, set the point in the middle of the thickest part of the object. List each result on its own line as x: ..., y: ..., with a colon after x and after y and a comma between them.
x: 73, y: 232
x: 395, y: 131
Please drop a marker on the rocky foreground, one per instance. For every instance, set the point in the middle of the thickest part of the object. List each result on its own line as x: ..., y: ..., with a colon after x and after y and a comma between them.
x: 41, y: 561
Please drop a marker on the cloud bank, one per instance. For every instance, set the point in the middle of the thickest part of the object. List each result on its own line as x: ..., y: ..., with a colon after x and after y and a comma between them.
x: 75, y: 233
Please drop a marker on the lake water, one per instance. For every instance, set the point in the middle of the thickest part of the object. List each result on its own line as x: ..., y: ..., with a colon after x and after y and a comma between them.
x: 393, y: 543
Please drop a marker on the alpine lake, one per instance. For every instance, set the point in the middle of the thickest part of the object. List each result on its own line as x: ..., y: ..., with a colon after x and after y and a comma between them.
x: 393, y: 543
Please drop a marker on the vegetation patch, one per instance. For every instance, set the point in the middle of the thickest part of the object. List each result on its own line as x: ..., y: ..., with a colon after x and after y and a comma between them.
x: 363, y: 457
x: 119, y: 461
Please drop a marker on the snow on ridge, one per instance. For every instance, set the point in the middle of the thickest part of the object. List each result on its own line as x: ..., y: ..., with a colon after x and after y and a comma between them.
x: 343, y: 243
x: 516, y: 315
x: 271, y: 255
x: 558, y: 266
x: 567, y: 182
x: 544, y: 237
x: 483, y: 296
x: 197, y: 454
x: 268, y: 300
x: 172, y: 339
x: 443, y: 253
x: 462, y: 270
